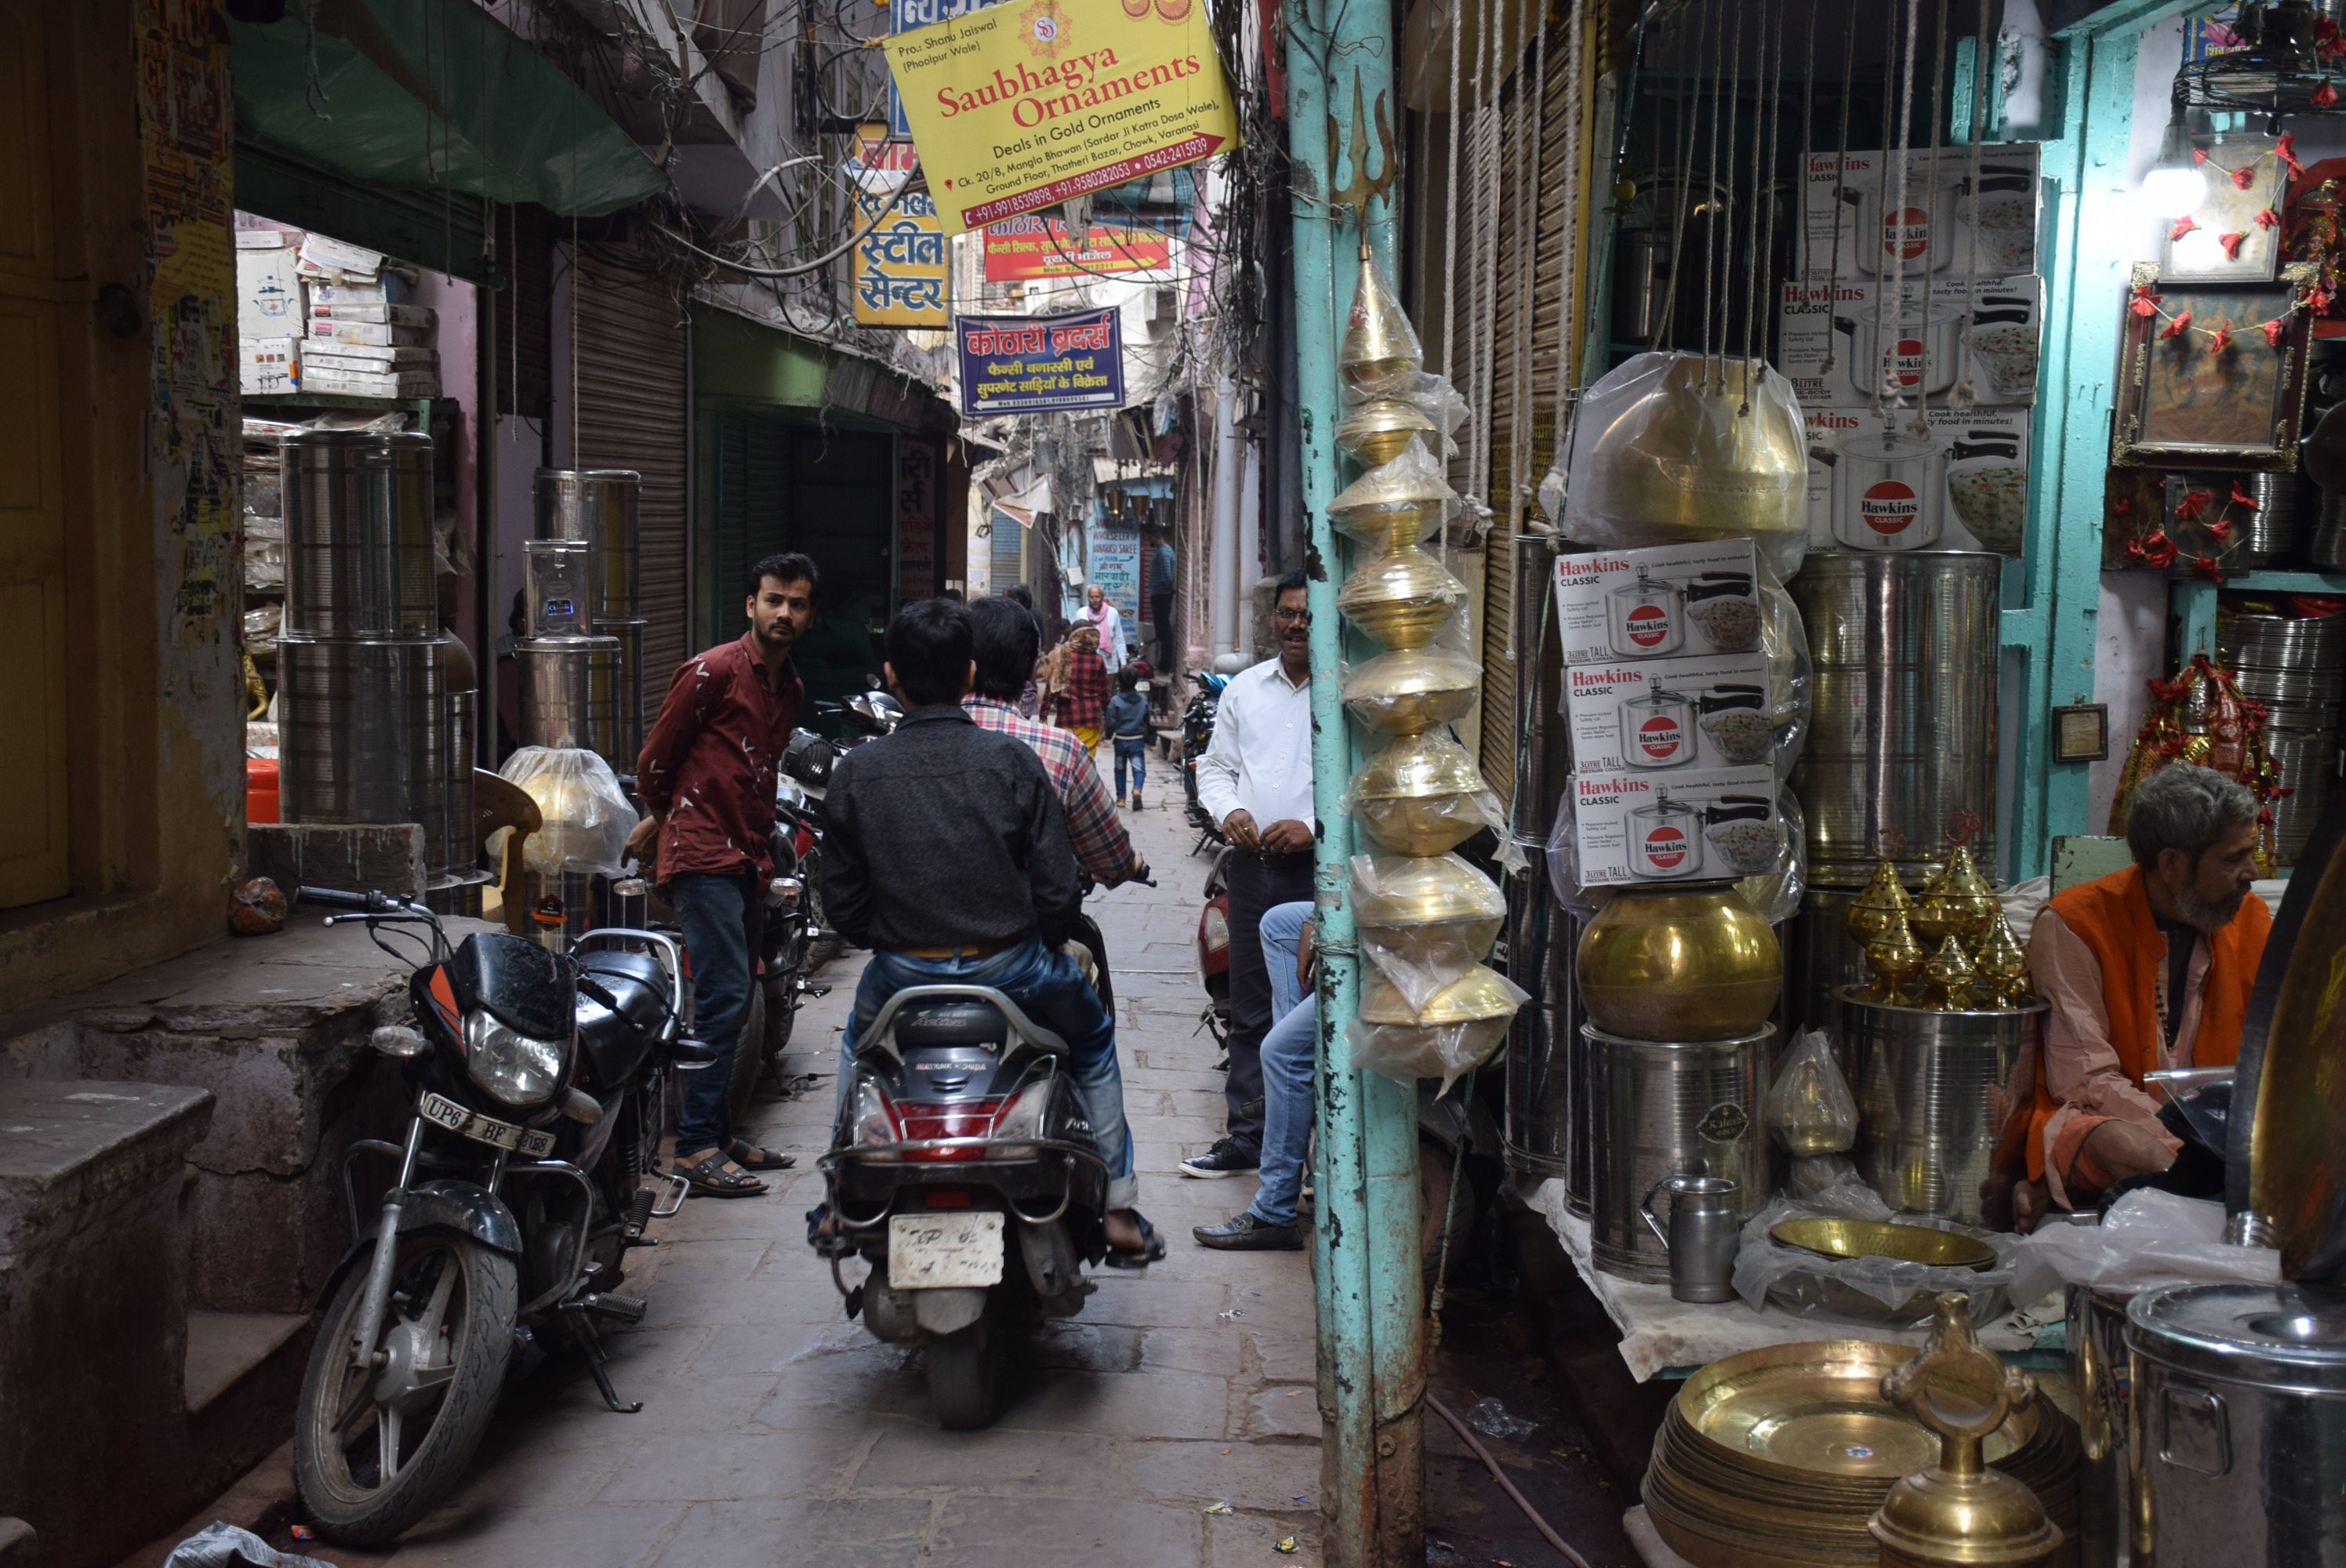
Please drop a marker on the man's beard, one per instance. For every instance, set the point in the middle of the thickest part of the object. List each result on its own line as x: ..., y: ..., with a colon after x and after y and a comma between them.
x: 780, y: 635
x: 2207, y: 914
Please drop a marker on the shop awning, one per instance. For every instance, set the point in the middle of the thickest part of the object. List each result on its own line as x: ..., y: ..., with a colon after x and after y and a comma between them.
x: 432, y: 94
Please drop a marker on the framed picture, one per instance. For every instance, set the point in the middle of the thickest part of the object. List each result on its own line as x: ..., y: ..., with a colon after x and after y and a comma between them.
x: 2224, y: 243
x: 2081, y: 733
x: 2201, y: 381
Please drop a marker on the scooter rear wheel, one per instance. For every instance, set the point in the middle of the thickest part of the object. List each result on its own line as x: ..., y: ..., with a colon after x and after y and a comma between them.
x: 961, y: 1375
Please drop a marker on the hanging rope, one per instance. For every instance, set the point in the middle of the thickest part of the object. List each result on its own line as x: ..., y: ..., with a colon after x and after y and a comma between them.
x: 1711, y: 204
x: 1962, y: 396
x: 1689, y: 133
x: 1730, y: 84
x: 1762, y: 178
x: 1938, y: 218
x: 1486, y: 251
x: 1570, y: 245
x: 1531, y: 157
x: 1450, y: 210
x: 1764, y: 193
x: 1839, y: 190
x: 1882, y: 241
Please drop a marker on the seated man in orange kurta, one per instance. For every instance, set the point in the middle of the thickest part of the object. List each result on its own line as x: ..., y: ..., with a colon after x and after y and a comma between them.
x: 2148, y: 968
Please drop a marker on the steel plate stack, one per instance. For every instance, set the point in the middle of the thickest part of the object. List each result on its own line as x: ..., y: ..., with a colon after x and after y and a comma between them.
x: 599, y: 507
x: 2293, y: 666
x: 363, y: 705
x: 1778, y: 1456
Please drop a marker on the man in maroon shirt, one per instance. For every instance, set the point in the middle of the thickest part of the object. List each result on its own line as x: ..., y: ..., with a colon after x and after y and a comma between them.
x: 707, y: 778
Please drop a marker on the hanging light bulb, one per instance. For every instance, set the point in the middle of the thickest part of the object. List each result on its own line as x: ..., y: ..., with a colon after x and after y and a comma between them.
x: 2176, y: 184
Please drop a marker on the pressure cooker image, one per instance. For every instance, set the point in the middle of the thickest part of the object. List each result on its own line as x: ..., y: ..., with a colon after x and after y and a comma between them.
x: 1664, y: 839
x: 1916, y: 360
x: 1663, y: 728
x: 1658, y: 729
x: 1646, y: 617
x: 1889, y: 491
x: 1913, y: 241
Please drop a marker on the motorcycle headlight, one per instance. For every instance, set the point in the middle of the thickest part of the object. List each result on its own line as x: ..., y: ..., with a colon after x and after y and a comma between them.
x: 514, y: 1068
x: 870, y: 1119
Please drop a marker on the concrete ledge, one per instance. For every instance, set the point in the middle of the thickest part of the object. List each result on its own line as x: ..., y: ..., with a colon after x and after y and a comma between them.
x: 373, y: 858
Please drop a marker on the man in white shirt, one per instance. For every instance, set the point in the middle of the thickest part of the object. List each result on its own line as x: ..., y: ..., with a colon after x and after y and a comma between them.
x: 1256, y: 781
x: 1103, y: 615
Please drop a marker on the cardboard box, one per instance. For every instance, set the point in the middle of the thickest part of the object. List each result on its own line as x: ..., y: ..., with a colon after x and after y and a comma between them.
x: 420, y: 384
x: 325, y: 298
x: 269, y: 365
x: 267, y: 294
x: 1667, y: 715
x: 366, y: 360
x: 1982, y: 218
x: 1978, y: 503
x: 1932, y: 347
x: 1683, y: 612
x: 378, y: 312
x: 1674, y: 827
x: 268, y: 239
x: 375, y: 334
x: 320, y: 255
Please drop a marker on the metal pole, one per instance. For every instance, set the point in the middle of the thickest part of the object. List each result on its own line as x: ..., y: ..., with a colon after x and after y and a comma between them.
x: 1368, y: 1282
x: 1226, y: 568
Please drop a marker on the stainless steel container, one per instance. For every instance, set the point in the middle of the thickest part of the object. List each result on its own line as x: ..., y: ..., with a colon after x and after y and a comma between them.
x: 2327, y: 551
x: 2307, y: 761
x: 570, y: 694
x: 358, y: 534
x: 2240, y: 1404
x: 2096, y: 1333
x: 1539, y: 1127
x: 1929, y: 1086
x: 600, y: 506
x: 363, y: 732
x: 630, y: 696
x: 1666, y: 1108
x: 2290, y: 643
x: 558, y: 594
x: 1901, y: 747
x: 464, y: 819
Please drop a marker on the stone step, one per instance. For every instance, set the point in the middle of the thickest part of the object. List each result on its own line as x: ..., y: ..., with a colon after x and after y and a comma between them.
x: 222, y: 1347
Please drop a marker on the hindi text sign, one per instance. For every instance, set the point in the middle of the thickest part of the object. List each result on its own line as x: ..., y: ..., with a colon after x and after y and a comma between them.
x: 900, y: 265
x: 1019, y: 249
x: 1040, y: 364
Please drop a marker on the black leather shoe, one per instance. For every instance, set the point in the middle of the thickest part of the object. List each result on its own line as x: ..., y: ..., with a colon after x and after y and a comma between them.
x: 1243, y: 1232
x: 1224, y: 1159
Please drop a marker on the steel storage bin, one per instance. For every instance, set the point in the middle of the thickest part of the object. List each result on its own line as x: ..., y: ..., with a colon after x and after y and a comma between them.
x: 1666, y: 1108
x: 358, y: 534
x: 601, y: 507
x: 463, y: 811
x: 2239, y: 1396
x: 1928, y: 1088
x: 557, y: 594
x: 1901, y: 746
x: 570, y: 694
x: 1539, y: 1107
x: 630, y: 690
x: 2304, y: 645
x: 363, y: 733
x: 2307, y: 761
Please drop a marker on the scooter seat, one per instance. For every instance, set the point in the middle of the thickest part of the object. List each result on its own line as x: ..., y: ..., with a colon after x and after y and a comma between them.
x: 959, y: 1022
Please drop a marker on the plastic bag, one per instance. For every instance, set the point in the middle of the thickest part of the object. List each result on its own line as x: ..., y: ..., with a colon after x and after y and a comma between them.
x: 2146, y: 1238
x: 1784, y: 638
x: 1459, y: 1029
x: 1777, y: 894
x: 221, y: 1544
x: 1423, y: 795
x: 1411, y: 691
x: 1810, y: 1111
x: 1418, y: 956
x: 588, y: 817
x: 1372, y: 297
x: 1876, y: 1290
x: 1403, y: 501
x: 1664, y: 452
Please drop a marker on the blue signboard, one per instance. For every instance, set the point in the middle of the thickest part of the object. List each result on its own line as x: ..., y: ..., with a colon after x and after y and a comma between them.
x: 903, y: 15
x: 1040, y: 364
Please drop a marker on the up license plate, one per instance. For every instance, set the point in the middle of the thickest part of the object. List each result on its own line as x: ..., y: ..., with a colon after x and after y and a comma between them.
x: 442, y: 1112
x: 929, y: 1250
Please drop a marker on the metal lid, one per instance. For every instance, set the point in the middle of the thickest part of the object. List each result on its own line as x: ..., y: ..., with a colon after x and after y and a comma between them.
x: 2289, y: 1335
x: 379, y: 440
x: 1591, y: 1032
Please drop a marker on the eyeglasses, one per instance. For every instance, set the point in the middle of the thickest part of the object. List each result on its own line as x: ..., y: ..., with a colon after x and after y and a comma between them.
x: 1287, y: 618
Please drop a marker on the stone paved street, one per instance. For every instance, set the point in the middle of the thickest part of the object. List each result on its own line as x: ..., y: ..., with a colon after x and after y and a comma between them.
x: 775, y: 1432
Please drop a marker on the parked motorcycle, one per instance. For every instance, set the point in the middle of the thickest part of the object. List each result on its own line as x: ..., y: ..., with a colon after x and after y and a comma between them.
x: 1214, y: 947
x: 1197, y: 734
x: 793, y: 924
x: 537, y: 1080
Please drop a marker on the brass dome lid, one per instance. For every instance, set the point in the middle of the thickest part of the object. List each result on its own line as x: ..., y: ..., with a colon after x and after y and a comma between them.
x: 1421, y: 889
x: 1381, y: 429
x: 1411, y: 691
x: 1400, y: 598
x: 1483, y: 993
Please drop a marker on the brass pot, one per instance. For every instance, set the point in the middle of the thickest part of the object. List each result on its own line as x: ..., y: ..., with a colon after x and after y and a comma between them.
x: 1422, y: 795
x: 1379, y: 350
x: 1400, y: 598
x: 1400, y: 502
x: 1380, y: 430
x: 1411, y: 692
x: 1431, y: 912
x: 1685, y: 462
x: 1481, y: 995
x: 1678, y: 964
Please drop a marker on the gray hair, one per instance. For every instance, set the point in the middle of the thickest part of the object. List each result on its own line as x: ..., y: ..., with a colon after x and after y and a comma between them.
x: 2185, y: 807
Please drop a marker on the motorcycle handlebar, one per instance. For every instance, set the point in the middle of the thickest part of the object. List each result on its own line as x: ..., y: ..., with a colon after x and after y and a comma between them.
x: 339, y: 899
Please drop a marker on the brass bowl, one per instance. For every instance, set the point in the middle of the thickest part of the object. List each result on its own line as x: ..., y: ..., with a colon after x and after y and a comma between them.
x: 1424, y: 795
x: 1870, y: 1238
x: 1683, y: 463
x: 1481, y: 995
x: 1432, y: 911
x: 1692, y: 963
x: 1399, y: 502
x: 1380, y: 429
x: 1411, y: 691
x: 1400, y: 598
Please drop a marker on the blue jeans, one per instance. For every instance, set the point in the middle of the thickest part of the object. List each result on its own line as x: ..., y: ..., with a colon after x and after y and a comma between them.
x: 1136, y: 752
x: 1287, y: 1063
x: 724, y: 917
x: 1048, y: 988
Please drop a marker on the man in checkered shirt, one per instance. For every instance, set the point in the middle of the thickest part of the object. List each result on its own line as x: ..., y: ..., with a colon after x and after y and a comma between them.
x: 1006, y: 641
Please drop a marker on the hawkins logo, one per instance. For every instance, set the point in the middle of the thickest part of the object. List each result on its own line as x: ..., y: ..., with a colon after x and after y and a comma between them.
x: 1889, y: 508
x: 1666, y: 847
x: 1909, y: 235
x: 1659, y: 737
x: 1648, y: 624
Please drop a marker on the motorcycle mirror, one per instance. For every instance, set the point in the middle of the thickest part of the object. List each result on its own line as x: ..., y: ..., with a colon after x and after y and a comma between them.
x: 870, y: 681
x: 398, y: 1040
x: 690, y: 1055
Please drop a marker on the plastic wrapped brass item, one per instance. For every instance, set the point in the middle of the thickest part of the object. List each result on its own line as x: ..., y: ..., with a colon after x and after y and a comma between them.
x: 1947, y: 979
x: 1458, y: 1027
x: 1810, y: 1108
x: 1400, y: 503
x: 1424, y: 795
x: 1411, y: 692
x: 1895, y: 960
x: 1680, y: 964
x: 1877, y: 908
x: 1836, y: 1238
x: 1400, y: 598
x: 1959, y: 1511
x: 1425, y: 921
x: 2002, y: 967
x: 1378, y: 354
x: 1380, y: 430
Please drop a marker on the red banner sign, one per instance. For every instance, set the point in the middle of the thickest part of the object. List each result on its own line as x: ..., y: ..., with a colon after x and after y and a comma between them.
x: 1026, y: 248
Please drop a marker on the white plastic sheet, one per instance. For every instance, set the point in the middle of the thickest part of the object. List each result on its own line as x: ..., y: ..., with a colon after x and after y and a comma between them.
x: 588, y: 817
x: 2148, y: 1237
x: 221, y: 1544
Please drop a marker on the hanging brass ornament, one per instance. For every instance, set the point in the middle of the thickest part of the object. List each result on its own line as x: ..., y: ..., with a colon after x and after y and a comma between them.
x: 1947, y: 979
x: 1380, y: 349
x: 1381, y: 429
x: 1411, y: 692
x: 1400, y: 598
x: 1400, y: 503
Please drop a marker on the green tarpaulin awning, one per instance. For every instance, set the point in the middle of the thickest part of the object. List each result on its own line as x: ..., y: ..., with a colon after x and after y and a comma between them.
x: 432, y: 94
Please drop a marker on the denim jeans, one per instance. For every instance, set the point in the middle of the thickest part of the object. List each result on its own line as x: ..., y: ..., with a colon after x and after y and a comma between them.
x: 1257, y: 885
x: 724, y: 917
x: 1136, y: 752
x: 1050, y: 988
x: 1287, y: 1062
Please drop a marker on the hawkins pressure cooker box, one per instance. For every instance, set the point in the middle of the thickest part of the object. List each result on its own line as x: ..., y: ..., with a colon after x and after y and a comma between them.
x: 1873, y: 484
x: 1665, y: 601
x: 1704, y: 825
x: 1973, y: 215
x: 1670, y: 714
x: 1910, y: 333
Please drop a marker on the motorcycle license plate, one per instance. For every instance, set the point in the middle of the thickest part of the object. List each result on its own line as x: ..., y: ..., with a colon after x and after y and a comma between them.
x: 445, y: 1113
x: 929, y: 1250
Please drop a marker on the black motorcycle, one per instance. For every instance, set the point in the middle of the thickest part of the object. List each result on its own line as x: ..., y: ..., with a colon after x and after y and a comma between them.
x: 537, y: 1079
x: 1197, y: 734
x: 787, y: 958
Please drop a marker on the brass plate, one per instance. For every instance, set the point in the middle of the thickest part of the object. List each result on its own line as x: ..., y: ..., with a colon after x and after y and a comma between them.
x: 1868, y: 1239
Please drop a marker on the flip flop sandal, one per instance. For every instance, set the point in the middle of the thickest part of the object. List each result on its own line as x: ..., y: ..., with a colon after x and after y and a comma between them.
x: 741, y: 1150
x: 1152, y: 1246
x: 709, y: 1178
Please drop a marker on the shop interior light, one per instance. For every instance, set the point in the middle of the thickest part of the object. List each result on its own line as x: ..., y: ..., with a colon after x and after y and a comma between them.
x: 2176, y: 184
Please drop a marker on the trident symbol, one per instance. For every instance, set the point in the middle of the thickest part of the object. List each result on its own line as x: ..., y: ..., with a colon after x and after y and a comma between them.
x: 1361, y: 189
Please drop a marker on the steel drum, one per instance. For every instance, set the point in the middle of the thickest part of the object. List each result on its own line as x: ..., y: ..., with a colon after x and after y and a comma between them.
x: 358, y: 534
x: 1666, y: 1108
x: 1929, y: 1086
x: 570, y: 694
x: 363, y: 733
x: 600, y: 506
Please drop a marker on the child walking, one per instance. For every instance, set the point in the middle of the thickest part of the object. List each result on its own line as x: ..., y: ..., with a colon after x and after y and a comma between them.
x: 1127, y: 723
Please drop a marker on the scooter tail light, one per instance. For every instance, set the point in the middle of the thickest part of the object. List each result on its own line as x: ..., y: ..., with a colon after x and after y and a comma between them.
x: 924, y: 1119
x: 1214, y: 928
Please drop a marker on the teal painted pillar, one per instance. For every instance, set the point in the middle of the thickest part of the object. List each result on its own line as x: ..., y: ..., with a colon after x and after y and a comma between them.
x: 1372, y: 1339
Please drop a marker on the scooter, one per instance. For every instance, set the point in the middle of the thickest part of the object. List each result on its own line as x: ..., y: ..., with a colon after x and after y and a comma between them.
x: 1214, y: 948
x: 1197, y: 734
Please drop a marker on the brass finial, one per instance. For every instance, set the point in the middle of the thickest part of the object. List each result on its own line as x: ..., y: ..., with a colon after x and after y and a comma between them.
x: 1894, y: 959
x: 1947, y: 979
x: 1380, y: 347
x: 1872, y: 911
x: 2001, y: 966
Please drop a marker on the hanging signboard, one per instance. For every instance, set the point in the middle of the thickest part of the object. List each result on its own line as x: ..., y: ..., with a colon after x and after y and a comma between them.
x: 1021, y: 249
x: 903, y: 15
x: 900, y: 265
x: 1116, y: 569
x: 1021, y: 106
x: 1040, y: 364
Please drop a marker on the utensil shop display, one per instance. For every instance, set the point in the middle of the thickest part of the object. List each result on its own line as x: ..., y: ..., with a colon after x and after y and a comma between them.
x: 1425, y: 917
x: 1666, y: 1109
x: 364, y: 713
x: 2295, y: 665
x: 582, y: 669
